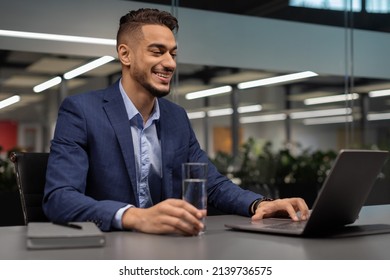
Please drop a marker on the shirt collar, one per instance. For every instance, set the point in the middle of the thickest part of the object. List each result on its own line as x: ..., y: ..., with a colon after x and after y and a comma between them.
x: 132, y: 111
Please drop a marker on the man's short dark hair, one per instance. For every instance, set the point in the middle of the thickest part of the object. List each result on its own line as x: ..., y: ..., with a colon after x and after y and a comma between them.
x: 132, y: 22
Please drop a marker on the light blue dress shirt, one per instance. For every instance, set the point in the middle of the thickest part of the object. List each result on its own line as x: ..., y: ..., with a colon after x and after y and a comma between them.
x: 147, y: 151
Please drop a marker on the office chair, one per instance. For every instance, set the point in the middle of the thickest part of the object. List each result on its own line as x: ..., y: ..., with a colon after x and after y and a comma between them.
x: 30, y: 169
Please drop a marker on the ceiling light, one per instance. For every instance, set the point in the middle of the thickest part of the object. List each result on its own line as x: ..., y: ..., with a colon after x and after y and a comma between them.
x: 9, y: 101
x: 196, y: 115
x: 220, y: 112
x: 331, y: 99
x: 329, y: 120
x: 208, y: 92
x: 379, y: 93
x: 48, y: 84
x: 378, y: 116
x: 57, y: 37
x: 88, y: 67
x: 263, y: 118
x: 224, y: 111
x: 320, y: 113
x: 276, y: 80
x: 249, y: 109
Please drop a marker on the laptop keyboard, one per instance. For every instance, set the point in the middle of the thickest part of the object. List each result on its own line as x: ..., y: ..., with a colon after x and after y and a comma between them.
x: 288, y: 225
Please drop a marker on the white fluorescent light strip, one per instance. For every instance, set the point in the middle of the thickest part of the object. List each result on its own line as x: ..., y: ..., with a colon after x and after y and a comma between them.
x: 320, y: 113
x: 57, y: 37
x: 88, y: 67
x: 48, y: 84
x: 379, y: 93
x: 196, y: 115
x: 224, y: 112
x: 378, y: 116
x: 331, y: 99
x: 208, y: 92
x: 263, y: 118
x: 275, y: 80
x: 9, y: 101
x: 249, y: 109
x: 329, y: 120
x: 220, y: 112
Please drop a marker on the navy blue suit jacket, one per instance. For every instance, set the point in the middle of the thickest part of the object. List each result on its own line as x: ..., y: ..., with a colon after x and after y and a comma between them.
x: 91, y: 171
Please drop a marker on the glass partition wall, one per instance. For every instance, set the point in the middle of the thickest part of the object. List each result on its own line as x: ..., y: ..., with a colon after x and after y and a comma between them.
x: 281, y: 138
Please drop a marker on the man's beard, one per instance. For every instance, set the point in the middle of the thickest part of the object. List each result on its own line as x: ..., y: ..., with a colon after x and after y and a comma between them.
x: 142, y: 80
x: 155, y: 91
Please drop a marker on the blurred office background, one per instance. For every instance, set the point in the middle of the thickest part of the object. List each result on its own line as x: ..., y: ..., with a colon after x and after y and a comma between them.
x: 277, y: 137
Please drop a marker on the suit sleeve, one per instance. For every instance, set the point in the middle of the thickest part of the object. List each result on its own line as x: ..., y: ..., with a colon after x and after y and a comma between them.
x: 66, y: 178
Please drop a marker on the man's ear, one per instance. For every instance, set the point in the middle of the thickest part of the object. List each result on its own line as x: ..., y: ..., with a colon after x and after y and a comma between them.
x: 124, y: 54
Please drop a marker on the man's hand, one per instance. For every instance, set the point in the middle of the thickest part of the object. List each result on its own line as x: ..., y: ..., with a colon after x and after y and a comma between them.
x: 169, y: 216
x: 282, y: 207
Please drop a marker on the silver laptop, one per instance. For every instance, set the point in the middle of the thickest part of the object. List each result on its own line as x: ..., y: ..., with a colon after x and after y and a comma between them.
x: 339, y: 201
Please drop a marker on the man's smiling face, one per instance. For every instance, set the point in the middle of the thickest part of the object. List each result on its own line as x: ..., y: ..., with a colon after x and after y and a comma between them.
x: 154, y: 61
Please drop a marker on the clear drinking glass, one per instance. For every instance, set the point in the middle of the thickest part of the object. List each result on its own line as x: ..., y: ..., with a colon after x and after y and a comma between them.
x: 194, y: 176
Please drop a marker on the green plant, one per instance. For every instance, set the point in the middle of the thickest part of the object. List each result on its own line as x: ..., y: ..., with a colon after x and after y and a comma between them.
x: 305, y: 168
x: 257, y: 164
x: 261, y: 169
x: 7, y: 175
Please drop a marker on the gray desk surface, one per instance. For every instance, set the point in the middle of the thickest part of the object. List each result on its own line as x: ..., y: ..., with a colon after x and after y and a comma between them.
x: 218, y: 243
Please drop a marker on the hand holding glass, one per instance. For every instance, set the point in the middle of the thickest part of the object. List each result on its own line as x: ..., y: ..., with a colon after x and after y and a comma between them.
x: 194, y: 186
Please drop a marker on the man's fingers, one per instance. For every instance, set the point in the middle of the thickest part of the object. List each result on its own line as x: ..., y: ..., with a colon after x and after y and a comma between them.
x: 278, y: 207
x: 181, y: 226
x: 183, y: 210
x: 303, y: 209
x: 169, y: 216
x: 291, y: 212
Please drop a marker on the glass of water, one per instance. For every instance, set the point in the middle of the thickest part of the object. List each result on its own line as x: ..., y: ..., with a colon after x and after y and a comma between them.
x: 194, y: 176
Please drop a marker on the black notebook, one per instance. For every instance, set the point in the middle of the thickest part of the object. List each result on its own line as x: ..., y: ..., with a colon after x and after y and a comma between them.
x: 55, y: 236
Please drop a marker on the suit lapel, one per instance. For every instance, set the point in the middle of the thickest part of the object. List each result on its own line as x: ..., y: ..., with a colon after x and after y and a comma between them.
x: 116, y: 113
x: 167, y: 152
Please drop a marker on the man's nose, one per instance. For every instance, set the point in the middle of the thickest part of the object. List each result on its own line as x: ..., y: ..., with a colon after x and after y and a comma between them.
x: 169, y: 61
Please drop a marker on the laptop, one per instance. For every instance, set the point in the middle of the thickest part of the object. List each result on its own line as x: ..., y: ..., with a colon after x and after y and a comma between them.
x: 338, y: 203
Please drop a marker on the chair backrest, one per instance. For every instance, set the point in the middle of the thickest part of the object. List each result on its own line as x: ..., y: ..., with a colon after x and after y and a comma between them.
x: 30, y: 169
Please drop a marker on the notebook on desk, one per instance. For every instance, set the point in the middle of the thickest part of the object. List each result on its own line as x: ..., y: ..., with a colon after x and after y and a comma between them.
x: 338, y: 203
x: 59, y: 236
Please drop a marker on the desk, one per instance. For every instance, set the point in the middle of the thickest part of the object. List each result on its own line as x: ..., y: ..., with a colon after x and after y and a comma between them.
x: 218, y: 243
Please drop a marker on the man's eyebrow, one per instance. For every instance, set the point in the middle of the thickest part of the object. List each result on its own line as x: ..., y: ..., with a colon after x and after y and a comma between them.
x: 161, y: 46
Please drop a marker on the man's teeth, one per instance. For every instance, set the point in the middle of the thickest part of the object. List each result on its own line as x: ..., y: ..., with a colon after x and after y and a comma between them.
x: 162, y: 75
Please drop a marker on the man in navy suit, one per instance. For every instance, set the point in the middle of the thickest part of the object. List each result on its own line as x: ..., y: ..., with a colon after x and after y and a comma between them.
x: 116, y: 155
